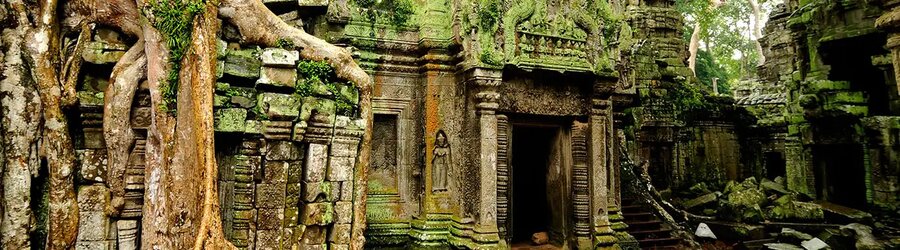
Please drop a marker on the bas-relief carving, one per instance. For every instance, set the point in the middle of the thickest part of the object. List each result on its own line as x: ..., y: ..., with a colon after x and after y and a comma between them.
x: 383, y: 177
x: 552, y: 34
x: 440, y: 163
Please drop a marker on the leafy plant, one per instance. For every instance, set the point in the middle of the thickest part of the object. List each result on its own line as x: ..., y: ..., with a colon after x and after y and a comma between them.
x: 174, y: 19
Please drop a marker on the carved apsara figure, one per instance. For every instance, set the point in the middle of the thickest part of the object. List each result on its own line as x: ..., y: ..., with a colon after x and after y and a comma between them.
x: 440, y: 163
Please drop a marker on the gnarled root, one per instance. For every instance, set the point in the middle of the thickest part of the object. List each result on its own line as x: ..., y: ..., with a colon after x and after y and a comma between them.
x: 259, y: 25
x: 117, y: 132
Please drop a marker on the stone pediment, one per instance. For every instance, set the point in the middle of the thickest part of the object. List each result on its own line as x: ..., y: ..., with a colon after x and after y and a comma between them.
x: 551, y: 34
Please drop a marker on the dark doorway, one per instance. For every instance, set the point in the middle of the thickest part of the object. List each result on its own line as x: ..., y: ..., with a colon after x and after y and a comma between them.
x: 531, y: 154
x: 775, y: 165
x: 660, y: 165
x: 840, y: 174
x: 851, y: 60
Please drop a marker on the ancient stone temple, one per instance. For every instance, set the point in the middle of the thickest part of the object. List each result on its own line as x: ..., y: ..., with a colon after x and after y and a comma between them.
x: 501, y: 123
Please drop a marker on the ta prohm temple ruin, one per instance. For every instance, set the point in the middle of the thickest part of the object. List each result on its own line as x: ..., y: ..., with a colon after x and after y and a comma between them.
x: 452, y: 124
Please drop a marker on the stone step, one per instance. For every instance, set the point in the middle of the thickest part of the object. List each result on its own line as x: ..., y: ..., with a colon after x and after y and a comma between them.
x: 648, y: 234
x: 637, y: 215
x: 657, y: 242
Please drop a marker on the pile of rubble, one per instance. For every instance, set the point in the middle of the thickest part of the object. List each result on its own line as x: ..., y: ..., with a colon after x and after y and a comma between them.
x: 765, y: 214
x: 751, y: 201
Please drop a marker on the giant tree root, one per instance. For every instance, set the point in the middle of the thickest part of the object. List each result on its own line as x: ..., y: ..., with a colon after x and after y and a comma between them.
x: 117, y: 131
x: 260, y: 26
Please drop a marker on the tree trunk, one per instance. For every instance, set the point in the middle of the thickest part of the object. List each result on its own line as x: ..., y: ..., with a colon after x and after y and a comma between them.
x: 756, y: 31
x: 693, y: 47
x: 43, y: 43
x: 181, y: 148
x: 20, y: 107
x: 179, y: 211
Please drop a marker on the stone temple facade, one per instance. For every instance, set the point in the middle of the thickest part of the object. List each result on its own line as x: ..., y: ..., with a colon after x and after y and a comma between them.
x: 497, y: 119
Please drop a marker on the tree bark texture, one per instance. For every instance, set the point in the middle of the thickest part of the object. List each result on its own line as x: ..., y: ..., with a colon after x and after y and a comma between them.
x: 181, y: 204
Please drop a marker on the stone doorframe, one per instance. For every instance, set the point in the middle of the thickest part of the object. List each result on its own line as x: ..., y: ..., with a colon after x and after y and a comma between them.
x: 600, y: 152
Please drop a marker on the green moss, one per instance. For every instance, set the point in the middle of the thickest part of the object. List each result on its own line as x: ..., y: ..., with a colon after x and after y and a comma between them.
x: 174, y: 19
x: 319, y: 73
x: 399, y: 11
x: 284, y: 43
x: 489, y: 13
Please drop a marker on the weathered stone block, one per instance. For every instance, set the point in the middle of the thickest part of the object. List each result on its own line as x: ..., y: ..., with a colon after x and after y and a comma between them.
x: 268, y: 239
x: 346, y: 191
x: 291, y: 216
x: 277, y: 57
x: 230, y: 120
x: 93, y: 138
x: 140, y: 117
x: 319, y: 213
x: 220, y: 101
x: 103, y: 52
x: 93, y: 226
x: 312, y: 191
x: 270, y: 218
x: 343, y: 212
x: 314, y: 235
x: 253, y: 127
x: 93, y: 164
x: 242, y: 63
x: 282, y: 151
x: 340, y: 169
x: 340, y: 234
x: 275, y: 172
x: 292, y: 195
x: 349, y: 93
x: 89, y: 98
x: 279, y: 106
x: 295, y: 172
x: 270, y: 195
x: 93, y: 198
x: 316, y: 162
x: 127, y: 234
x: 278, y: 77
x: 343, y: 149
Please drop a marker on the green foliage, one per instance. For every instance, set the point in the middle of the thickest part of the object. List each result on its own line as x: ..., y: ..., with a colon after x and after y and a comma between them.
x: 724, y: 33
x: 174, y: 19
x: 489, y: 13
x: 488, y: 57
x: 708, y: 68
x: 315, y: 72
x: 688, y: 97
x: 258, y: 113
x: 284, y: 43
x: 400, y: 11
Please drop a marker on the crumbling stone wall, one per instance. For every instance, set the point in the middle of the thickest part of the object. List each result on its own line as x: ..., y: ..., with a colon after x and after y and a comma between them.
x: 286, y: 142
x: 808, y: 99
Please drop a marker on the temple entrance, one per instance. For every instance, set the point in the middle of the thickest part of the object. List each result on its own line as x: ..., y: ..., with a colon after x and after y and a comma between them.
x: 538, y: 171
x: 840, y: 174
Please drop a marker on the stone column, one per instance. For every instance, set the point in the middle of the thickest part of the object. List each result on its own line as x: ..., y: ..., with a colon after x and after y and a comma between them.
x: 485, y: 82
x: 890, y: 22
x: 601, y: 160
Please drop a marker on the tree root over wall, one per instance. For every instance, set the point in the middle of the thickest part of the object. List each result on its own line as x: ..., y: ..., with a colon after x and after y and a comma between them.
x: 38, y: 85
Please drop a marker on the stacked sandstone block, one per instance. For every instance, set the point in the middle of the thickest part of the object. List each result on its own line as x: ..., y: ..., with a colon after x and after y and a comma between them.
x: 289, y: 183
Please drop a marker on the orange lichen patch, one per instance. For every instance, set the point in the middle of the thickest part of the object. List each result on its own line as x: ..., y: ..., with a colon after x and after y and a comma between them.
x: 379, y: 83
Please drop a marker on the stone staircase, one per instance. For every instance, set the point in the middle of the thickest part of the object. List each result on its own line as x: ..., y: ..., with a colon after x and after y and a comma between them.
x: 650, y: 231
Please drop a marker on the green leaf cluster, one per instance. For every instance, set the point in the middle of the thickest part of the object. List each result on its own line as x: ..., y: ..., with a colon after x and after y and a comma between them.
x: 174, y: 19
x: 320, y: 72
x: 400, y: 11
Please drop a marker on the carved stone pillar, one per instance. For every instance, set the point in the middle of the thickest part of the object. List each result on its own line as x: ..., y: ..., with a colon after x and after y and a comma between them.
x: 890, y: 22
x: 485, y: 82
x: 602, y: 161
